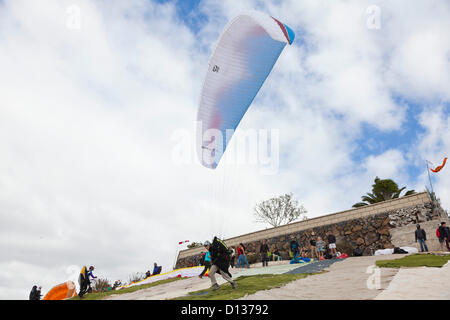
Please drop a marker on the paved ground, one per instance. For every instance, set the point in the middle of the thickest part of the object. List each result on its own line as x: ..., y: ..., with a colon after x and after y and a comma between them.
x: 350, y: 279
x: 321, y: 286
x: 345, y: 279
x: 314, y: 267
x: 419, y: 283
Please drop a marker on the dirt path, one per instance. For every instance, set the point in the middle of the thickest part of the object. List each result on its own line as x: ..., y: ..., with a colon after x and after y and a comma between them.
x: 345, y: 280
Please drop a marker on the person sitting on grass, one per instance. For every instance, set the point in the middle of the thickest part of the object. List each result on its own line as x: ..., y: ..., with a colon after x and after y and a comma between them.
x: 156, y: 269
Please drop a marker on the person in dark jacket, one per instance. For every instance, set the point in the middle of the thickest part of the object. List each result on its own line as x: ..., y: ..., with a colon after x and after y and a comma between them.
x: 332, y: 243
x: 264, y: 250
x: 295, y: 248
x: 220, y: 262
x: 35, y: 293
x: 448, y: 238
x: 443, y: 236
x: 421, y: 236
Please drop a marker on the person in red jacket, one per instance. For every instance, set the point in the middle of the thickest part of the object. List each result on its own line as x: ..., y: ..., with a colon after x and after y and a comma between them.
x: 443, y: 235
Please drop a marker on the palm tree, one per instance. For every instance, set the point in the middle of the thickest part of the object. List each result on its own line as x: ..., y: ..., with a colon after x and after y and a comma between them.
x: 382, y: 190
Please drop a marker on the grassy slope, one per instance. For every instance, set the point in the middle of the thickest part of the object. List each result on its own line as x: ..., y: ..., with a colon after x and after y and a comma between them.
x: 415, y: 260
x: 101, y: 295
x: 244, y: 285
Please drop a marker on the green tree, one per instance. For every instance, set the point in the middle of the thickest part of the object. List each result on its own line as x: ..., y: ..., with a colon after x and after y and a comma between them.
x: 382, y: 190
x: 195, y: 245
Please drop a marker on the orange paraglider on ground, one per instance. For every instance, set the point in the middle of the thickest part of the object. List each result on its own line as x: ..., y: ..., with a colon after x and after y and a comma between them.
x: 438, y: 168
x: 62, y: 291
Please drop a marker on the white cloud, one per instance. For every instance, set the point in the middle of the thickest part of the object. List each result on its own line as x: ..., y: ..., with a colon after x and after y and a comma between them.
x: 87, y: 119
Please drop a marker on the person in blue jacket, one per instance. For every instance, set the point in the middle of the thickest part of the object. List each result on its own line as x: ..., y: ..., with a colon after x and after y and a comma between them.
x: 90, y: 274
x: 156, y: 269
x: 207, y: 260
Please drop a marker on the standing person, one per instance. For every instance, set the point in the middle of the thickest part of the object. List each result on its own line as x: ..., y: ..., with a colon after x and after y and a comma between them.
x: 220, y: 262
x: 242, y: 256
x: 35, y: 293
x: 207, y: 260
x: 90, y: 276
x: 239, y: 253
x: 264, y: 253
x: 443, y: 236
x: 332, y: 243
x: 448, y: 238
x: 320, y: 247
x: 312, y: 245
x: 421, y: 236
x: 295, y: 248
x: 233, y: 257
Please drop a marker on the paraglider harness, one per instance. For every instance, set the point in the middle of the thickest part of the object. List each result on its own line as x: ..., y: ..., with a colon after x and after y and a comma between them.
x: 220, y: 254
x: 83, y: 281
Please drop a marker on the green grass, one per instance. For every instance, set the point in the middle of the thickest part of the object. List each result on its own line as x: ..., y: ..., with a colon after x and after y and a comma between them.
x: 101, y: 295
x: 244, y: 285
x: 415, y: 260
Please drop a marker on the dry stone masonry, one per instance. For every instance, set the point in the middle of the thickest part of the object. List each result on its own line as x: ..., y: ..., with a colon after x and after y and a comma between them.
x: 370, y: 228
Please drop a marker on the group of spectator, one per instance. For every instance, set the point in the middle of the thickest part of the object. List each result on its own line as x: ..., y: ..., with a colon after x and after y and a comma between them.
x: 317, y: 248
x: 442, y: 233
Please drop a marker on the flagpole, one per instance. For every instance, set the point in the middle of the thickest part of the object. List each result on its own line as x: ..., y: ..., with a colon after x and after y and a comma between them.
x: 429, y: 178
x: 176, y: 255
x: 176, y: 252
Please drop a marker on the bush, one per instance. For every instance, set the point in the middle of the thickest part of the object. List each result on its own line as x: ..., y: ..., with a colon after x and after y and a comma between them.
x: 135, y: 277
x: 101, y: 285
x: 195, y: 245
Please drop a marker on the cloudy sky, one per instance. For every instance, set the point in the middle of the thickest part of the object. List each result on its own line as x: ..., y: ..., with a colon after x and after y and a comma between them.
x: 98, y: 97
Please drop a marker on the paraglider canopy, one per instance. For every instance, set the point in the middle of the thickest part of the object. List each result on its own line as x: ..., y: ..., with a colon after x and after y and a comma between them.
x: 244, y: 55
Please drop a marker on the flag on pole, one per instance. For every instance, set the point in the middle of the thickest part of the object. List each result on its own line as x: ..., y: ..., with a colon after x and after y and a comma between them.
x: 438, y: 168
x: 181, y: 242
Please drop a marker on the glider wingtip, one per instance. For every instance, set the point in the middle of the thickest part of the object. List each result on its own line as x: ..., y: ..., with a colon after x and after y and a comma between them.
x: 291, y: 34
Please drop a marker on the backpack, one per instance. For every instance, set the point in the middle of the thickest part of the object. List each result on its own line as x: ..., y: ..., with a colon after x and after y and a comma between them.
x: 399, y: 250
x: 438, y: 233
x: 82, y: 276
x: 221, y: 249
x: 357, y: 252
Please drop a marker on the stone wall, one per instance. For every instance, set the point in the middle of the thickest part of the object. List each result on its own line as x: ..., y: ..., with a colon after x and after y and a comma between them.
x: 368, y: 228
